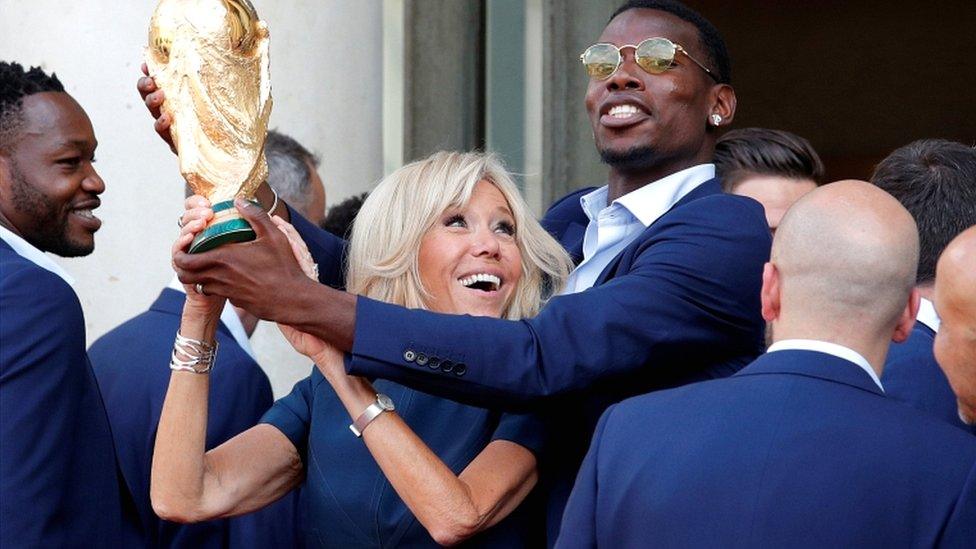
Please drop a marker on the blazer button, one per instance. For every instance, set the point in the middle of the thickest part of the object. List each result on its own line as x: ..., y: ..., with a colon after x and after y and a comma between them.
x: 409, y: 355
x: 434, y: 363
x: 460, y: 368
x: 447, y: 366
x: 422, y: 359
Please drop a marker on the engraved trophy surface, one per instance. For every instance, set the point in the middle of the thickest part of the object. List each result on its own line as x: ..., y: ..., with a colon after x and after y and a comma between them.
x: 210, y: 58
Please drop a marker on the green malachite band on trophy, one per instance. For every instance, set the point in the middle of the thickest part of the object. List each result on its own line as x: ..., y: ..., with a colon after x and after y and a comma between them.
x: 232, y: 228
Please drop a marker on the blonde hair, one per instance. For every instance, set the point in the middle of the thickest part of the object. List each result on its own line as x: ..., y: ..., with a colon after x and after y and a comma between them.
x: 386, y: 236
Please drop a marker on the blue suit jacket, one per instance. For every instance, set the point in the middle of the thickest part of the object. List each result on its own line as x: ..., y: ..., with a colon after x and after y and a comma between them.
x: 800, y: 448
x: 59, y: 485
x: 131, y: 363
x: 911, y: 375
x: 679, y: 304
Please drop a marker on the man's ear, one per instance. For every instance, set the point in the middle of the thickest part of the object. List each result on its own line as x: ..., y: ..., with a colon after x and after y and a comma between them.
x: 723, y: 103
x: 907, y: 319
x: 770, y: 293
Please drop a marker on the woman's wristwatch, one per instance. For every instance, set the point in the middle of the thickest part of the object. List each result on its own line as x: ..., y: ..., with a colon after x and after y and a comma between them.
x: 373, y: 411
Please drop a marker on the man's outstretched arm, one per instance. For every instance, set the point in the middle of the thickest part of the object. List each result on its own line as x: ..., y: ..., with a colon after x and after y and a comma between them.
x: 691, y: 294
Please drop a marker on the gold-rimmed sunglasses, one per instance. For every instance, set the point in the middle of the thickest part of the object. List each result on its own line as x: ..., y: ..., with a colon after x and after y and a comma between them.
x: 654, y: 55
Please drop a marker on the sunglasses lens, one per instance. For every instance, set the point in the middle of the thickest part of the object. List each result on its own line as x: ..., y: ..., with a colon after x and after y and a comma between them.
x: 655, y: 55
x: 601, y: 60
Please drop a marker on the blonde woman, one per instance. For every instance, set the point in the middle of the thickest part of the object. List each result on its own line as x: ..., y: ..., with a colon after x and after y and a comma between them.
x: 451, y: 234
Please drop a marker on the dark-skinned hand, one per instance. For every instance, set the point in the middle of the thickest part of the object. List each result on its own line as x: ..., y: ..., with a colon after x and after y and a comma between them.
x: 154, y: 97
x: 259, y: 276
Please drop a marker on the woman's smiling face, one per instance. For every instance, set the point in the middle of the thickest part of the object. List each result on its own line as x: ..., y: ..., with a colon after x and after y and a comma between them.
x: 470, y: 262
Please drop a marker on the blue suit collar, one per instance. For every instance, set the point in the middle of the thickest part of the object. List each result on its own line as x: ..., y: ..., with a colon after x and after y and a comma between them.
x: 170, y: 302
x: 571, y: 231
x: 710, y: 187
x: 812, y: 364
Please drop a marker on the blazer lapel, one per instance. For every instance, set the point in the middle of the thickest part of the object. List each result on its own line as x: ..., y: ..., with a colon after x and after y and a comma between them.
x: 710, y: 187
x: 812, y: 364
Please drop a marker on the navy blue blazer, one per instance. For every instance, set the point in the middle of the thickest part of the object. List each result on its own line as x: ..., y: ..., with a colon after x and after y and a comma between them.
x: 911, y: 375
x: 59, y: 484
x: 679, y: 304
x: 131, y: 364
x: 799, y: 449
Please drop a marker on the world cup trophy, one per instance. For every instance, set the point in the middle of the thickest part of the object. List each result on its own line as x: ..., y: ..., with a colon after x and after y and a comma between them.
x: 210, y: 58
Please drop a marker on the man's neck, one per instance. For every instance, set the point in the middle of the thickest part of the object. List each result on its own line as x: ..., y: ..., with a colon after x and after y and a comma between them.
x: 622, y: 181
x: 873, y: 349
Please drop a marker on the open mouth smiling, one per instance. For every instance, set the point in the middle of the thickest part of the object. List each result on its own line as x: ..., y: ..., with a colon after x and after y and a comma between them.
x: 481, y: 281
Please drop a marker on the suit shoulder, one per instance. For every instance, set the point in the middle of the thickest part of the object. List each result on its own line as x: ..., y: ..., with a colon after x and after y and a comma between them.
x: 35, y: 291
x: 659, y: 402
x: 924, y: 427
x: 725, y: 206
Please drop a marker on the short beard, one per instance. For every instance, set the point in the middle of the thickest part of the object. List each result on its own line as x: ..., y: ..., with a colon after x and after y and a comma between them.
x: 634, y: 158
x: 49, y: 231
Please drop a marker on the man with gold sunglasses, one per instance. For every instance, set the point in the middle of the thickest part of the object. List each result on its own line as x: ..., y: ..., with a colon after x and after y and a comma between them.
x: 666, y: 290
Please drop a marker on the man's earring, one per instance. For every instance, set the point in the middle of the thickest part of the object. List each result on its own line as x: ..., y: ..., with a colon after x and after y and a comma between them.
x: 716, y: 119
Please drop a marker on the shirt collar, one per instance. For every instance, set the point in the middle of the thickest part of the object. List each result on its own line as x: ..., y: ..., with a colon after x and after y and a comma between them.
x: 927, y: 315
x: 32, y: 254
x: 651, y: 201
x: 826, y: 347
x: 230, y: 319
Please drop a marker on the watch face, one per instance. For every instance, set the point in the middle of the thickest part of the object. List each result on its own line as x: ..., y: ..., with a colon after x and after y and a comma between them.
x: 385, y: 402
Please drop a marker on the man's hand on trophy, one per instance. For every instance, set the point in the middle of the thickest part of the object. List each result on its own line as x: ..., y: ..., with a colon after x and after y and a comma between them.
x: 258, y: 276
x: 154, y: 97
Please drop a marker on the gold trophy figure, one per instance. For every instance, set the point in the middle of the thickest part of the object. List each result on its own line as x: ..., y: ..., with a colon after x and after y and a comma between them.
x: 210, y: 58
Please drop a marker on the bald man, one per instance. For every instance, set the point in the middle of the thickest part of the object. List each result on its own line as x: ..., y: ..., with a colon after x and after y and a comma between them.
x: 955, y: 301
x: 801, y: 447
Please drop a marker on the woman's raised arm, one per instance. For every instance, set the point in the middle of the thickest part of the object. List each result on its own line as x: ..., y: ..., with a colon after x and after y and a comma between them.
x: 245, y: 473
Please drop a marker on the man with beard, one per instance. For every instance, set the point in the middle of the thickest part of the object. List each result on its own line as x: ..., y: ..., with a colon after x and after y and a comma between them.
x: 58, y: 476
x: 666, y: 291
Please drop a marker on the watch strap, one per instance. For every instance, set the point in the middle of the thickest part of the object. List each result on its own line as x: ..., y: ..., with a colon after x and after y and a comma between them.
x: 371, y: 412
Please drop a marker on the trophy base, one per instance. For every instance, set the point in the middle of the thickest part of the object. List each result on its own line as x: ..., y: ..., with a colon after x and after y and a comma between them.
x: 226, y: 227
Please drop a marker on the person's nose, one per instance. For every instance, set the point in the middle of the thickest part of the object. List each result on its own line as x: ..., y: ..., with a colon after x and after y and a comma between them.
x: 626, y: 77
x: 93, y: 182
x: 485, y: 243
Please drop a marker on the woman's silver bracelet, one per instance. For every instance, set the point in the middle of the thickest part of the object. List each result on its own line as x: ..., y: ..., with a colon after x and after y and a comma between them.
x: 192, y: 355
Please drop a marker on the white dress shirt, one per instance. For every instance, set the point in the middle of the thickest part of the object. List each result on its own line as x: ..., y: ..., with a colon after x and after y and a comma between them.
x: 230, y: 319
x: 612, y: 228
x: 30, y: 253
x: 833, y: 349
x: 927, y: 315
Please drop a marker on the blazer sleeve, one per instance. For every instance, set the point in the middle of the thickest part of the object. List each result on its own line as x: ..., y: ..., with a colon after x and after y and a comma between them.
x: 43, y: 372
x: 691, y: 292
x: 579, y: 519
x: 328, y: 250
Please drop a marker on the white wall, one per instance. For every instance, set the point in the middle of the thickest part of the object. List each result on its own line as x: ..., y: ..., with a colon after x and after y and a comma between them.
x: 326, y: 71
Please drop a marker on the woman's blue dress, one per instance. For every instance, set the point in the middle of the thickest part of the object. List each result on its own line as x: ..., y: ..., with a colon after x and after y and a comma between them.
x: 346, y: 500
